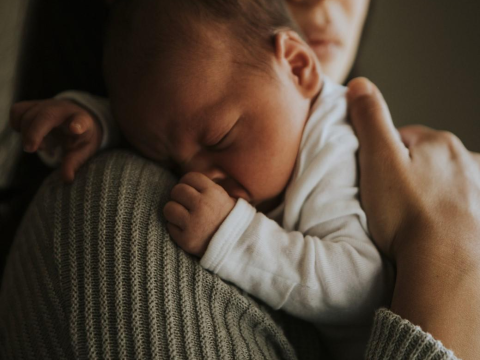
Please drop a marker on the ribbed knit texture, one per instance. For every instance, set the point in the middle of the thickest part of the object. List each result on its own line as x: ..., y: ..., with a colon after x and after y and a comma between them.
x: 93, y: 274
x: 398, y: 339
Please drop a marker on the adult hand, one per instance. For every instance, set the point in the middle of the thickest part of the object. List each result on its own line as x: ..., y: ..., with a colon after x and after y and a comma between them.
x: 421, y: 194
x: 423, y: 181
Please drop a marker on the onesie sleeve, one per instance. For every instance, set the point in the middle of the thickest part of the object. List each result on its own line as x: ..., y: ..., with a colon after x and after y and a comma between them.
x: 99, y: 107
x: 325, y: 271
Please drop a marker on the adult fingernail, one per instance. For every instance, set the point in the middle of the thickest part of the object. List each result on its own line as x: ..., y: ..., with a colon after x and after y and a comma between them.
x: 359, y: 87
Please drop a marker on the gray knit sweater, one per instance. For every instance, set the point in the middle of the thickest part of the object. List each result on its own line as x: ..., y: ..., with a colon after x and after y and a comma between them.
x: 93, y: 275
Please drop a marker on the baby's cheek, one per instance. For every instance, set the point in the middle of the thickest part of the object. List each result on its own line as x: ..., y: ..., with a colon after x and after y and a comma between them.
x: 273, y: 183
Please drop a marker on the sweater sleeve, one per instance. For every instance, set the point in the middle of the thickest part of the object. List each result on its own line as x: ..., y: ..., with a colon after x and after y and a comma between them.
x: 394, y: 338
x: 100, y: 109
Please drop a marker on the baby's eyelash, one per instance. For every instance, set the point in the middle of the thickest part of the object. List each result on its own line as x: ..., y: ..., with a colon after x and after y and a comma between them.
x: 218, y: 143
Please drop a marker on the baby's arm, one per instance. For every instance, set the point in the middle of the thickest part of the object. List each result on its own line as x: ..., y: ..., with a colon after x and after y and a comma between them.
x: 71, y: 128
x: 329, y: 271
x: 337, y: 279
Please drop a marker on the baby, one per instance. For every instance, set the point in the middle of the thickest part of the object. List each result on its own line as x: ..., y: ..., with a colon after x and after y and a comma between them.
x: 229, y: 96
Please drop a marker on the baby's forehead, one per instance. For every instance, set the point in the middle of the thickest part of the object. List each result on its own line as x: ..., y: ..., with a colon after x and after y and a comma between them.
x: 182, y: 46
x: 193, y: 41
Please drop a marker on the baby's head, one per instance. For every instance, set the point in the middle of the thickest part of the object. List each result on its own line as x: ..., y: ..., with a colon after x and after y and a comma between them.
x: 221, y: 87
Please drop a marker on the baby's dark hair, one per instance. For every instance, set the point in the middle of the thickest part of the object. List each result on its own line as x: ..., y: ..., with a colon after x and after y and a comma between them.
x: 251, y: 23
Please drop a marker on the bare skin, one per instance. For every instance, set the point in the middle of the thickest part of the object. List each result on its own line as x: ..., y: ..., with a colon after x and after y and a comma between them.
x: 424, y: 209
x: 429, y: 228
x: 332, y: 28
x: 47, y: 124
x: 225, y: 142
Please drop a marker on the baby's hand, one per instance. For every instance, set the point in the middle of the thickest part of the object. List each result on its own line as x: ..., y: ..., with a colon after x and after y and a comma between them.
x: 197, y: 208
x: 51, y: 124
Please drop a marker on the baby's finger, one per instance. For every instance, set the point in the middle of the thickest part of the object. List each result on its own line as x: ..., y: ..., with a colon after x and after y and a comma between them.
x: 174, y: 231
x: 18, y: 110
x: 185, y: 195
x: 176, y: 214
x: 197, y: 180
x: 49, y: 143
x: 72, y: 161
x: 36, y: 126
x: 79, y: 123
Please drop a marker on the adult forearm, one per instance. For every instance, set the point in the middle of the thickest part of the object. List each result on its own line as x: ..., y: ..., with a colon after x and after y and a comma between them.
x: 440, y: 292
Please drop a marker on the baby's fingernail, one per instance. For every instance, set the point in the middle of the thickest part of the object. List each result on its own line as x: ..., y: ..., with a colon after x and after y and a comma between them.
x: 359, y: 87
x: 76, y: 126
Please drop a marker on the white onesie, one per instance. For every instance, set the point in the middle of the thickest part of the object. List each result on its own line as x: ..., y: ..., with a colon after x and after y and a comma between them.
x: 311, y: 256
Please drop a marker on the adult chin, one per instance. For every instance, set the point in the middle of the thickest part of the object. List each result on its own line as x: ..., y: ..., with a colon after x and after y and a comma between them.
x: 335, y: 62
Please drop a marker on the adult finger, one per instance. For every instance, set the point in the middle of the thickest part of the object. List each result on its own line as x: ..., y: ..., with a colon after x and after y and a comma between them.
x: 413, y: 134
x: 440, y: 142
x: 371, y: 120
x: 475, y: 156
x: 416, y: 134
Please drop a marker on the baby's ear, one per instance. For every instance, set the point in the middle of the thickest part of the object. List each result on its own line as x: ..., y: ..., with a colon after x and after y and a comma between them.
x: 300, y: 60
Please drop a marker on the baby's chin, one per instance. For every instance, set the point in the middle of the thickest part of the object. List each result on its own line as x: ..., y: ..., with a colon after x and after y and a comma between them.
x: 267, y: 205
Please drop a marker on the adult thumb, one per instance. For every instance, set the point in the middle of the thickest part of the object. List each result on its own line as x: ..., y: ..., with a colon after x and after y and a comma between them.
x: 371, y: 119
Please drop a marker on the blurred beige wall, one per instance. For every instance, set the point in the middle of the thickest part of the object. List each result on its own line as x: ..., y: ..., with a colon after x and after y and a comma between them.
x: 12, y: 13
x: 11, y: 17
x: 425, y: 57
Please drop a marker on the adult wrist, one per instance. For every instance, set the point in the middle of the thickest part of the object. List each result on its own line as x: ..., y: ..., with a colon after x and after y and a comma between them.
x: 444, y: 247
x: 435, y: 276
